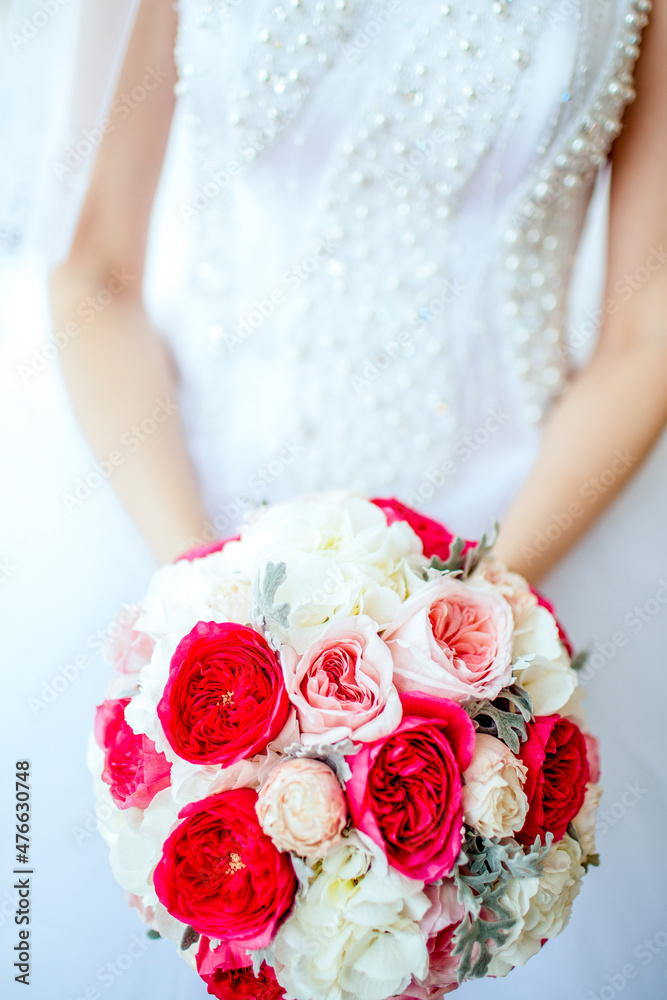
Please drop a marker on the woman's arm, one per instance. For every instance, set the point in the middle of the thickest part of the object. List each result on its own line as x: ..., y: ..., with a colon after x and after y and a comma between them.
x: 117, y: 371
x: 604, y: 427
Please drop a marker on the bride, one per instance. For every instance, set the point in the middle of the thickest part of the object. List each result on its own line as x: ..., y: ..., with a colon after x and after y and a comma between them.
x: 375, y: 212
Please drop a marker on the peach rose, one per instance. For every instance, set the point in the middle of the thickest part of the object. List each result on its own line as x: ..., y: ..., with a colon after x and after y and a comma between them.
x: 452, y: 640
x: 493, y: 798
x: 302, y: 807
x: 342, y: 685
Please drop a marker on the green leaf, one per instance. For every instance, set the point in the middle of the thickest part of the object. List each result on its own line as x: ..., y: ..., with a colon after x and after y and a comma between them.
x: 153, y: 935
x: 483, y: 872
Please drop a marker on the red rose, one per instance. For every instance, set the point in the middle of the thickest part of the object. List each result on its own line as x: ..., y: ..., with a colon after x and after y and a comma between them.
x: 405, y: 789
x: 555, y: 754
x: 228, y: 983
x: 200, y: 551
x: 435, y: 538
x: 562, y: 634
x: 222, y: 875
x: 133, y: 768
x: 225, y: 698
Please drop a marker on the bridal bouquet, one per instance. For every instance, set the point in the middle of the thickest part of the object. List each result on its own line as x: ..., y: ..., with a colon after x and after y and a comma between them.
x: 342, y: 758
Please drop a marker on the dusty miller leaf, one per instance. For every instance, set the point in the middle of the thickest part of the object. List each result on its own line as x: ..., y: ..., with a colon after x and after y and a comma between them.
x: 482, y: 875
x: 265, y: 612
x: 505, y: 723
x: 463, y: 564
x: 332, y: 754
x: 579, y: 659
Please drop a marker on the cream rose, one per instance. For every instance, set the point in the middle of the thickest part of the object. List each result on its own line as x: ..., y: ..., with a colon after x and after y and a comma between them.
x: 542, y: 665
x: 493, y: 799
x: 541, y: 905
x: 302, y: 807
x: 585, y: 820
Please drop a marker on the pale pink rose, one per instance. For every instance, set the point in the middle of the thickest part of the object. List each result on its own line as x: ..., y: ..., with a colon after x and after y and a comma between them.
x: 302, y: 807
x: 493, y: 798
x: 509, y: 585
x: 342, y: 685
x: 452, y: 640
x: 126, y: 649
x: 438, y: 925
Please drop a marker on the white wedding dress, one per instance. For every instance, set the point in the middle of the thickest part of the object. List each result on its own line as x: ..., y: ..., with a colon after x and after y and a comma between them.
x: 362, y: 258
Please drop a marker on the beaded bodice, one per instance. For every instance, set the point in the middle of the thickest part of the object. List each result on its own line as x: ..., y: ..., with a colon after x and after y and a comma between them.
x: 386, y: 201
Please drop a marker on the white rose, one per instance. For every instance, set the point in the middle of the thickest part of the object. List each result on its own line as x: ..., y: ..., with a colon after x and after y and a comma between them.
x: 493, y: 798
x: 542, y: 906
x: 546, y: 673
x: 353, y: 934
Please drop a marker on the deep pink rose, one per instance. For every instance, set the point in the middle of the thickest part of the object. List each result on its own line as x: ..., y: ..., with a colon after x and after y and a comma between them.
x: 127, y: 650
x: 225, y: 699
x: 200, y: 551
x: 227, y: 972
x: 222, y: 875
x: 452, y: 640
x: 133, y: 769
x: 562, y: 634
x: 405, y: 789
x: 558, y: 771
x: 435, y: 538
x: 342, y: 685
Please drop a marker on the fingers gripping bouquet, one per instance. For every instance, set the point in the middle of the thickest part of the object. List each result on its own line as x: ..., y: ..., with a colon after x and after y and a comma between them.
x: 341, y: 759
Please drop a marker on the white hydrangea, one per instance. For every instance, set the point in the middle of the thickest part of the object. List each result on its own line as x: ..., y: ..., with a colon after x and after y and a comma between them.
x: 353, y: 934
x: 341, y: 559
x: 541, y: 905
